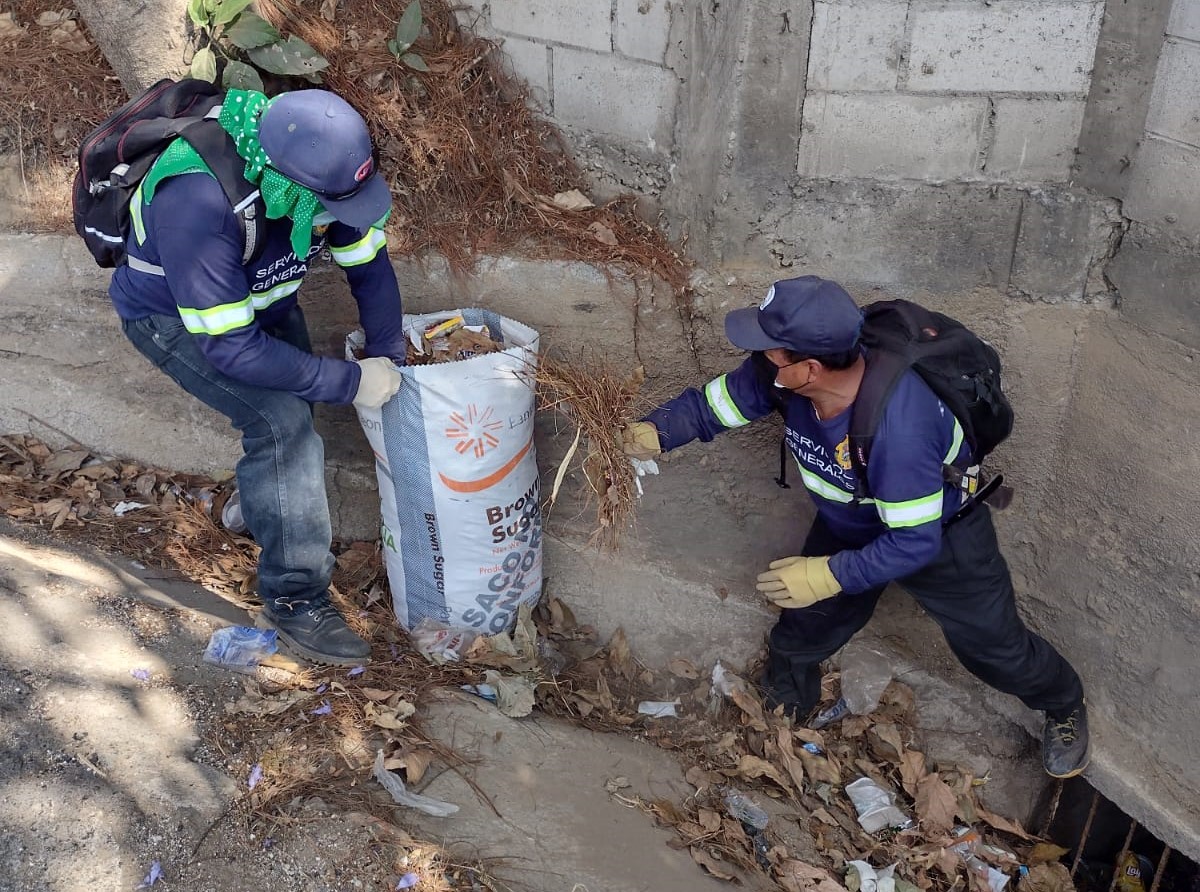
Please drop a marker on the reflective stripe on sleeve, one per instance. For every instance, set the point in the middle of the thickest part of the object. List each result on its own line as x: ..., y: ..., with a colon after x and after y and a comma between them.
x: 722, y: 404
x: 912, y: 513
x: 362, y: 251
x: 218, y: 320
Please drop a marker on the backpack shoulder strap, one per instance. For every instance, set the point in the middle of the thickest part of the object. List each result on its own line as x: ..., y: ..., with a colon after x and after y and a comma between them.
x: 766, y: 371
x: 216, y: 147
x: 884, y: 368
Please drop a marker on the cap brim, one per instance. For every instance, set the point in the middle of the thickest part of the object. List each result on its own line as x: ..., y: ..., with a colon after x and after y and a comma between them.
x: 743, y: 330
x: 368, y: 205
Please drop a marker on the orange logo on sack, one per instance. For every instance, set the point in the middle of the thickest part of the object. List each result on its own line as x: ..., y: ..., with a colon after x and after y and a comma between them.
x: 473, y: 432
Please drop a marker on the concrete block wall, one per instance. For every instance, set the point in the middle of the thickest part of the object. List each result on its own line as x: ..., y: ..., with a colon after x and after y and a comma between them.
x: 930, y: 89
x: 1165, y: 188
x: 598, y: 67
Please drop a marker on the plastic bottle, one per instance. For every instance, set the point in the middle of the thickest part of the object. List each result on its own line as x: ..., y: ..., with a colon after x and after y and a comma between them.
x: 742, y: 808
x: 966, y: 848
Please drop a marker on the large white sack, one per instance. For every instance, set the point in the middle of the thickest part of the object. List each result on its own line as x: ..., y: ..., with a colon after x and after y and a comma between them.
x: 458, y: 481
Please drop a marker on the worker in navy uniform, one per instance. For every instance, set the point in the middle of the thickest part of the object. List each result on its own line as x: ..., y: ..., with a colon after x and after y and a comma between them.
x: 232, y: 334
x: 808, y: 329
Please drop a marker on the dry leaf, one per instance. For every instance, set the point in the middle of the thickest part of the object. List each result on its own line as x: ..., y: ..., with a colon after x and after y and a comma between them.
x: 936, y: 803
x: 414, y: 763
x: 751, y: 706
x: 710, y: 820
x: 619, y: 656
x: 1044, y: 852
x: 825, y: 817
x: 752, y: 767
x: 329, y: 10
x: 796, y: 876
x: 1047, y: 877
x: 885, y: 741
x: 514, y: 695
x: 573, y: 200
x: 1002, y: 823
x: 912, y: 769
x: 603, y: 234
x: 710, y: 864
x: 787, y: 755
x: 391, y: 718
x: 376, y: 694
x: 683, y: 669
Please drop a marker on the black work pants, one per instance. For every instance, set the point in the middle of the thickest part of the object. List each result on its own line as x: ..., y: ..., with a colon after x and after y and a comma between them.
x: 968, y: 592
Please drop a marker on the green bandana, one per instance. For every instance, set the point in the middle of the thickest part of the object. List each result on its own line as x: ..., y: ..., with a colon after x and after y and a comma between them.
x: 240, y: 115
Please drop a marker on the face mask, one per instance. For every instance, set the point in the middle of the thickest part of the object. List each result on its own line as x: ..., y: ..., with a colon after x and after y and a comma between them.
x: 323, y: 219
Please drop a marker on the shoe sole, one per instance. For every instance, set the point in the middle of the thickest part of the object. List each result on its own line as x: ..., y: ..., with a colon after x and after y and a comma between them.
x: 307, y: 653
x: 1074, y: 772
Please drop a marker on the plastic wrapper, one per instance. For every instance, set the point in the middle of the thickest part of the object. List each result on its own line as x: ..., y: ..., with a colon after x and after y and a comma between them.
x: 876, y: 807
x: 439, y: 643
x: 240, y: 648
x: 866, y: 673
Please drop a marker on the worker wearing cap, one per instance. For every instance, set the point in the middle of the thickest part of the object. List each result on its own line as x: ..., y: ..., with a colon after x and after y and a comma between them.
x: 805, y: 340
x: 232, y: 334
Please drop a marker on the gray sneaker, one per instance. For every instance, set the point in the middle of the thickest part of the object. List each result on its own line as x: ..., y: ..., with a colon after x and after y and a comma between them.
x: 1065, y: 742
x: 314, y: 630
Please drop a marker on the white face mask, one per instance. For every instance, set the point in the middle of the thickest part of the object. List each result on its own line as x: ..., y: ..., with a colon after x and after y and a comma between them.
x: 323, y: 219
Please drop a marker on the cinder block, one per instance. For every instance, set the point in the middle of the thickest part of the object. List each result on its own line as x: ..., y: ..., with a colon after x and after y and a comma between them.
x: 1035, y: 139
x: 897, y: 235
x: 1164, y: 189
x: 1175, y: 101
x: 1063, y: 234
x: 531, y: 62
x: 855, y: 46
x: 613, y: 95
x: 642, y: 28
x: 585, y: 23
x: 1005, y: 46
x: 1185, y: 19
x: 890, y: 136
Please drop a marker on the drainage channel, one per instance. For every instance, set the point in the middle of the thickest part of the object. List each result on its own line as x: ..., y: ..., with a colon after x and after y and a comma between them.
x: 1108, y: 851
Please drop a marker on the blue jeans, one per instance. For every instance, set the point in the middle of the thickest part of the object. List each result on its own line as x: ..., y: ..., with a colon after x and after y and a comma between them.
x: 281, y: 475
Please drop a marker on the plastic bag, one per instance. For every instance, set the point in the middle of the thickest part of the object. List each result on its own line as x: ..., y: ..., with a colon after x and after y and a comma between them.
x: 401, y: 795
x: 240, y: 648
x: 439, y: 643
x: 875, y: 806
x: 866, y: 673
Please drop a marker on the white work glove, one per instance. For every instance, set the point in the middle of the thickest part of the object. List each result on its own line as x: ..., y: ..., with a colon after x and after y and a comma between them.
x: 379, y: 383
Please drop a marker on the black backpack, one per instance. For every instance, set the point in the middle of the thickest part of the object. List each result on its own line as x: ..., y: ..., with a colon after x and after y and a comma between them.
x: 959, y: 366
x: 117, y: 155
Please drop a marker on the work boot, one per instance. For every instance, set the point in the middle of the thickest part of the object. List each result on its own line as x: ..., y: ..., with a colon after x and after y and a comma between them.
x: 313, y: 629
x: 1065, y: 742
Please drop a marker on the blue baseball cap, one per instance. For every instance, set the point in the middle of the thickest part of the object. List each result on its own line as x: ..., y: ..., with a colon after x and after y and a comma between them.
x: 808, y: 315
x: 317, y: 139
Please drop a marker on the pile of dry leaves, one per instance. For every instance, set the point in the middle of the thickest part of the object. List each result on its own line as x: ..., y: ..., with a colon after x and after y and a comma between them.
x: 320, y: 732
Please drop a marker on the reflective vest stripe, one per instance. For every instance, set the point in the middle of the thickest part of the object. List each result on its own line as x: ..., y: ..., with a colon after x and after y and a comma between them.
x: 955, y: 445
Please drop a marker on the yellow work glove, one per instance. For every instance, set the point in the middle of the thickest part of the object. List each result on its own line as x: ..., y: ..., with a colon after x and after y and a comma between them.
x: 640, y: 440
x: 798, y: 581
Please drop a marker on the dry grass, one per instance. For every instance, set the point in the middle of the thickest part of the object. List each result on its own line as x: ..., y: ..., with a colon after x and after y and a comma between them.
x: 54, y: 87
x: 598, y: 403
x: 473, y: 166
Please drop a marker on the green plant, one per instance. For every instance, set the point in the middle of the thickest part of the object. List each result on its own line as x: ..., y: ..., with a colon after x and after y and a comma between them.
x: 408, y: 29
x: 237, y: 43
